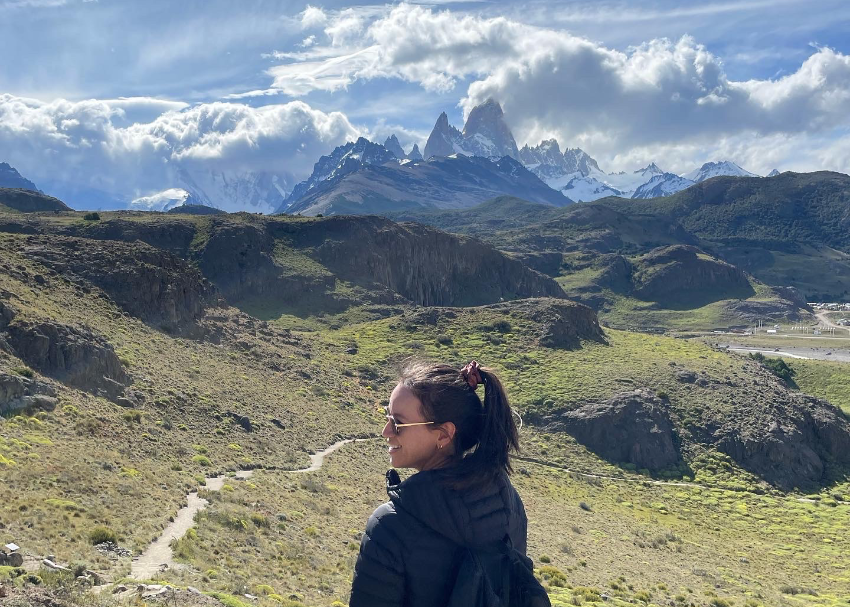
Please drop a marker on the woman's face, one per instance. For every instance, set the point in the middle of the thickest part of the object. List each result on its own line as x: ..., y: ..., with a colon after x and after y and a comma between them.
x: 414, y: 446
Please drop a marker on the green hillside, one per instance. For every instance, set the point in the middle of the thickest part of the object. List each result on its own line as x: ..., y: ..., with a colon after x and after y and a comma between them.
x: 158, y: 305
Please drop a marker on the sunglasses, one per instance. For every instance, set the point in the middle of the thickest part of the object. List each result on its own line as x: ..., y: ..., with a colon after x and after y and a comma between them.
x: 396, y: 426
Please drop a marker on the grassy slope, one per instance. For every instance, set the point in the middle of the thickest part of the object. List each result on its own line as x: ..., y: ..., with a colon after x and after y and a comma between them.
x: 677, y: 536
x: 689, y: 540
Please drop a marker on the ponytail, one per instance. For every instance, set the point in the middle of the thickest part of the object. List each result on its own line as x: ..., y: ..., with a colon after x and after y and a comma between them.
x: 485, y: 432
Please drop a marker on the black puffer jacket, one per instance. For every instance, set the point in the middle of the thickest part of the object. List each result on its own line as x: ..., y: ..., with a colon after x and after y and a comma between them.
x: 409, y: 552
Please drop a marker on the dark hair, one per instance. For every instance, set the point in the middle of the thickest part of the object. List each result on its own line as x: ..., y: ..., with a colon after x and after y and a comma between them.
x: 485, y: 432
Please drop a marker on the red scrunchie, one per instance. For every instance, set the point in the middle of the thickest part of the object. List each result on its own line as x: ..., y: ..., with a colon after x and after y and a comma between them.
x: 472, y: 374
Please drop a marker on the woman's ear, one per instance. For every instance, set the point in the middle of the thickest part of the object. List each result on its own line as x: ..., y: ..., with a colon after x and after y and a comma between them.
x: 447, y: 433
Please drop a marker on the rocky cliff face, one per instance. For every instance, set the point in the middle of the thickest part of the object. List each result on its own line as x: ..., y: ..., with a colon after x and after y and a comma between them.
x: 73, y: 355
x: 790, y: 444
x: 423, y: 265
x: 441, y: 141
x: 684, y: 275
x: 151, y: 284
x: 632, y: 427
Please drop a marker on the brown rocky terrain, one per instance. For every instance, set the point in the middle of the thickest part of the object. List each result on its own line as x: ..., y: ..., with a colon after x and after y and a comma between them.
x: 632, y: 427
x: 291, y: 259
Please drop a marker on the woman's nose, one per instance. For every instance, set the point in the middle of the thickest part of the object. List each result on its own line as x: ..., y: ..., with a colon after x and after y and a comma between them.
x: 387, y: 432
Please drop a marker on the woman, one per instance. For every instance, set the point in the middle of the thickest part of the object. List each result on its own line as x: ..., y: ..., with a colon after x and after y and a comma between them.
x: 461, y: 496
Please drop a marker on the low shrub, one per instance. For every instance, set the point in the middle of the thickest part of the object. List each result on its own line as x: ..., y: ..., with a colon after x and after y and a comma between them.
x: 91, y: 216
x: 101, y: 534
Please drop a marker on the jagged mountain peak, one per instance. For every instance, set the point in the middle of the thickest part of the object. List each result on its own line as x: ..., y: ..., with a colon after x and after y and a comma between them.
x: 652, y: 169
x: 579, y: 161
x: 773, y: 173
x: 486, y: 133
x: 394, y: 146
x: 343, y: 160
x: 11, y: 178
x: 415, y: 154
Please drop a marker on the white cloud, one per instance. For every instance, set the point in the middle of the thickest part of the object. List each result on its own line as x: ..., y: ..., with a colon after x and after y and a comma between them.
x: 80, y: 143
x: 659, y: 95
x: 313, y: 17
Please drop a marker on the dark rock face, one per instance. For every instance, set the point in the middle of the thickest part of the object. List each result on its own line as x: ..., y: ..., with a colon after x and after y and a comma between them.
x: 17, y: 392
x: 73, y: 355
x: 631, y: 427
x: 563, y: 324
x: 791, y: 445
x: 151, y: 284
x: 423, y: 265
x: 683, y: 275
x: 173, y: 236
x: 29, y: 201
x: 768, y: 310
x: 11, y: 178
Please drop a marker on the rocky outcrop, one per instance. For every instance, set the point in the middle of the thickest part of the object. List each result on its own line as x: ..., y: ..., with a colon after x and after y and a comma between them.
x: 769, y: 310
x: 631, y: 427
x: 73, y: 355
x: 174, y: 235
x: 682, y: 275
x: 18, y: 392
x: 153, y: 285
x: 560, y: 323
x: 422, y: 264
x: 791, y: 444
x: 29, y: 201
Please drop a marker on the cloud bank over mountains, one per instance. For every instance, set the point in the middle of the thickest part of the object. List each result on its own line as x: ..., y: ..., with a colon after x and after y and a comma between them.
x: 665, y: 100
x: 555, y: 84
x: 83, y: 143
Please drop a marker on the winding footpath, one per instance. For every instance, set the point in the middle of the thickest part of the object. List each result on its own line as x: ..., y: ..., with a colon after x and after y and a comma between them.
x: 159, y: 556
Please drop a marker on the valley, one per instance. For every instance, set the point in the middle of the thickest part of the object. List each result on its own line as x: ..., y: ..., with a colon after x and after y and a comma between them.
x: 237, y: 347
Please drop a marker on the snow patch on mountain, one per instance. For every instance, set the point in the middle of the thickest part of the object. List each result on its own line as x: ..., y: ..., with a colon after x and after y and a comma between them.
x: 773, y: 173
x: 716, y: 169
x: 587, y: 189
x: 343, y: 160
x: 663, y: 184
x: 234, y: 191
x: 485, y: 134
x: 162, y: 201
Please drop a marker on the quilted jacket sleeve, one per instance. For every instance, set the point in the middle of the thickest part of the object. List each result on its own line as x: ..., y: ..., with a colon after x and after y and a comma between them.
x: 379, y: 572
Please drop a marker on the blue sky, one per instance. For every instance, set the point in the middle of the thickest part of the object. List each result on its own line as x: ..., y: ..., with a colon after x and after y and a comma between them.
x: 762, y: 83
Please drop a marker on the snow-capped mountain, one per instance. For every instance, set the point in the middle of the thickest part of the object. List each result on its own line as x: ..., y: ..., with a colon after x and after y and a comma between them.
x: 234, y: 190
x: 587, y: 189
x: 662, y: 184
x: 485, y: 134
x: 343, y: 160
x: 579, y: 161
x: 572, y: 172
x: 545, y: 160
x: 715, y: 169
x: 10, y: 178
x: 628, y: 183
x: 163, y: 201
x: 444, y: 182
x: 773, y: 173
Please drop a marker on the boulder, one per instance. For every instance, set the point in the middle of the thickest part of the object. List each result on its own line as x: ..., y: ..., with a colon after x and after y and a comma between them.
x: 73, y: 355
x: 631, y: 427
x: 791, y: 444
x: 17, y: 392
